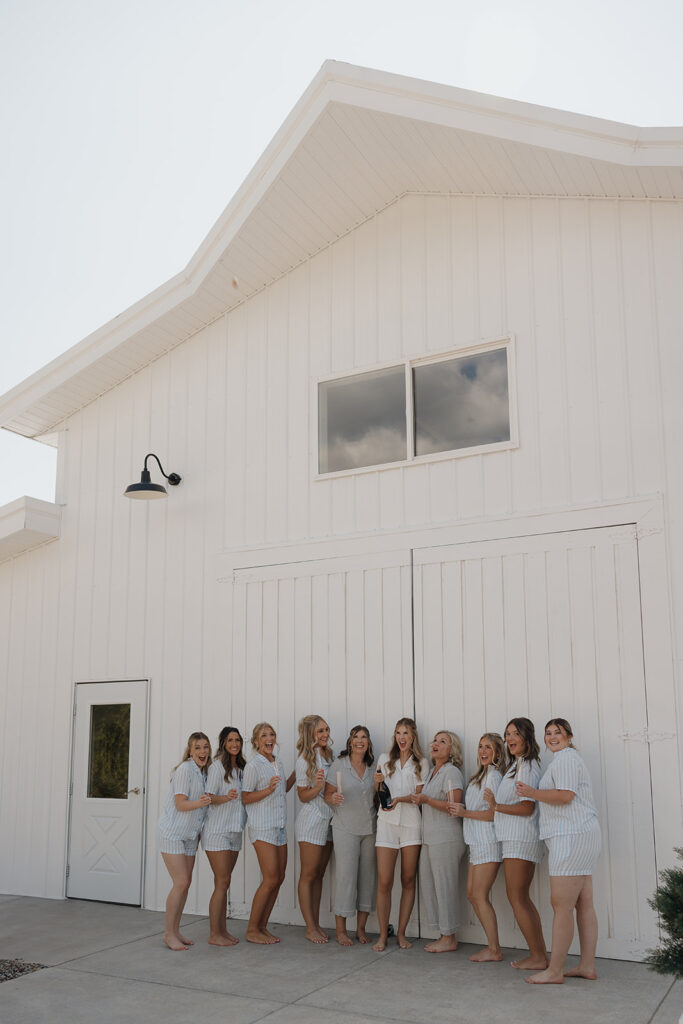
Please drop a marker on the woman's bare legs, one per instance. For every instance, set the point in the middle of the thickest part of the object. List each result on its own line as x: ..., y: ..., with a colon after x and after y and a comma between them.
x: 361, y: 922
x: 519, y: 875
x: 386, y: 864
x: 222, y: 862
x: 480, y: 879
x: 314, y: 860
x: 179, y: 868
x: 410, y: 856
x: 273, y: 864
x: 587, y: 924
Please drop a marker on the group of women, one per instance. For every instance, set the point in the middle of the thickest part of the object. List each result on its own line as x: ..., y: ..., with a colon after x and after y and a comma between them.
x: 509, y: 814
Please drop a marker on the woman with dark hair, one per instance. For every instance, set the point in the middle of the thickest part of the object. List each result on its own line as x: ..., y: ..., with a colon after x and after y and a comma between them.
x: 569, y: 825
x: 354, y: 823
x: 404, y: 770
x: 516, y: 825
x: 179, y: 827
x: 222, y: 832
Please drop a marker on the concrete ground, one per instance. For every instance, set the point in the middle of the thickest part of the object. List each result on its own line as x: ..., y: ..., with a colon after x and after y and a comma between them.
x: 107, y: 965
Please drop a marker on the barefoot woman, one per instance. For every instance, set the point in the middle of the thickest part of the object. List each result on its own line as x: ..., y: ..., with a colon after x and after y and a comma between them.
x: 313, y: 829
x: 353, y: 826
x: 442, y: 842
x: 222, y: 832
x: 480, y: 836
x: 516, y: 824
x: 569, y: 825
x: 404, y: 770
x: 179, y: 827
x: 264, y: 789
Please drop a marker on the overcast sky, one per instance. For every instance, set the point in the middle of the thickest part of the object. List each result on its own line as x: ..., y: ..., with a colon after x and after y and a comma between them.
x: 127, y: 126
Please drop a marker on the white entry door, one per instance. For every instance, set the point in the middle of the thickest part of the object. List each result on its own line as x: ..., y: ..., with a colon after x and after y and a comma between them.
x: 550, y: 626
x: 330, y: 637
x: 108, y: 792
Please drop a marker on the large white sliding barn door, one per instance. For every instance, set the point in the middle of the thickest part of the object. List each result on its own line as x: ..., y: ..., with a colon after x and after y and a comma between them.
x: 329, y: 637
x: 550, y: 626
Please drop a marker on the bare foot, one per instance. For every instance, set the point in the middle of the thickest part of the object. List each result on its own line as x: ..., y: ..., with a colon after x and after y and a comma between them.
x: 174, y: 942
x: 271, y: 938
x: 545, y: 978
x: 344, y: 939
x: 380, y: 945
x: 324, y: 937
x: 315, y: 936
x: 261, y: 937
x: 442, y: 945
x: 529, y: 964
x: 589, y: 973
x: 487, y: 956
x: 403, y: 942
x: 223, y: 940
x: 362, y: 936
x: 188, y: 942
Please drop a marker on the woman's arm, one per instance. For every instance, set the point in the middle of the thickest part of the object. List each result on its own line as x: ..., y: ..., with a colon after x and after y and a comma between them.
x: 331, y: 796
x: 183, y: 804
x: 253, y: 796
x: 308, y: 793
x: 436, y: 803
x: 290, y: 781
x: 232, y: 794
x: 458, y: 810
x: 556, y: 797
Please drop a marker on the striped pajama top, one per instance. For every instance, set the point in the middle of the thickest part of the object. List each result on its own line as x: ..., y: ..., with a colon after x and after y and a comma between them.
x: 189, y: 780
x: 316, y: 809
x: 567, y: 770
x: 512, y: 826
x: 271, y: 812
x: 230, y: 816
x: 476, y: 832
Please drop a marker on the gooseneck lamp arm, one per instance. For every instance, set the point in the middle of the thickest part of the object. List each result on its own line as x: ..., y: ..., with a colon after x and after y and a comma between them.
x: 172, y: 478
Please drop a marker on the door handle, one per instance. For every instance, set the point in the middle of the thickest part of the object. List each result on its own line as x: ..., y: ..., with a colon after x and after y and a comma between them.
x: 136, y: 790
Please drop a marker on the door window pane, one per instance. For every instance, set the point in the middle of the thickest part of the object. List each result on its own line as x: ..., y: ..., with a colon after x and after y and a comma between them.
x: 362, y: 420
x: 461, y: 403
x: 109, y: 746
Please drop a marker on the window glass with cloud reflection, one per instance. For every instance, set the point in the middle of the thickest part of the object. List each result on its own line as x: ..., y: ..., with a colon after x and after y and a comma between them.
x: 461, y: 403
x: 362, y: 420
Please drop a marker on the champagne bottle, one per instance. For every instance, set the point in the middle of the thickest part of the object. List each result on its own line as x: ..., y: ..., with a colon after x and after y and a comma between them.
x: 384, y: 795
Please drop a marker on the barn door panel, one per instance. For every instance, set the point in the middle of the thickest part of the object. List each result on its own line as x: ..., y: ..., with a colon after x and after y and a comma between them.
x: 549, y: 626
x: 332, y: 637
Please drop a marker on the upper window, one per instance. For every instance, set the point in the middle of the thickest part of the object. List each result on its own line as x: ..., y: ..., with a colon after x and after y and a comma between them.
x: 411, y: 410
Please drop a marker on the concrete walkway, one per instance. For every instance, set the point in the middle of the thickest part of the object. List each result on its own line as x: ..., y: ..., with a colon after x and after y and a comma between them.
x: 107, y: 965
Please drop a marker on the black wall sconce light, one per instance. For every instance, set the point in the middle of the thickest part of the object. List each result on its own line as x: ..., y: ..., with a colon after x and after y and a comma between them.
x: 146, y: 489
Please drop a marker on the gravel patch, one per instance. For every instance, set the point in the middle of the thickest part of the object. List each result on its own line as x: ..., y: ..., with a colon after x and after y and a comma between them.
x: 10, y: 969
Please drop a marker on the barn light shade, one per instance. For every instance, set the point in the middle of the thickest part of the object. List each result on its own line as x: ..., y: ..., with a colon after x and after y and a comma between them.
x: 146, y: 490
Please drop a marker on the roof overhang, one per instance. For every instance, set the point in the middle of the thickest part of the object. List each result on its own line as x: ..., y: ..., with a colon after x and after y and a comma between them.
x: 355, y: 142
x: 26, y: 523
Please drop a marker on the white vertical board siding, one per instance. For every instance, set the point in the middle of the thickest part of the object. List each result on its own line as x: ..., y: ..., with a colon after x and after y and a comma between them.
x: 327, y: 637
x: 541, y: 627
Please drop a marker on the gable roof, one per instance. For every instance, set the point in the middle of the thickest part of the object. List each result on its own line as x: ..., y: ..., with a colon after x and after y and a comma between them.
x: 356, y: 141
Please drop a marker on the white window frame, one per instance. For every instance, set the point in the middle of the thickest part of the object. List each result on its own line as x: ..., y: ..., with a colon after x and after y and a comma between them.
x: 489, y: 345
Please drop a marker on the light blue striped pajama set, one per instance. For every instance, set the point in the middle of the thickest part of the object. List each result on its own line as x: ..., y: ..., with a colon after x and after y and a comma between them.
x: 224, y: 822
x: 571, y: 831
x: 519, y: 835
x: 480, y: 836
x: 313, y: 823
x: 267, y: 818
x: 179, y: 830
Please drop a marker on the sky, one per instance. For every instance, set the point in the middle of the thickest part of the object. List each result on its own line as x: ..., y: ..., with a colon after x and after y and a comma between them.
x: 127, y: 126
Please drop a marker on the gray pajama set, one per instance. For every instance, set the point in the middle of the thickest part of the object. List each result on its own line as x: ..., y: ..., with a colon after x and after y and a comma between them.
x: 353, y: 828
x: 442, y: 850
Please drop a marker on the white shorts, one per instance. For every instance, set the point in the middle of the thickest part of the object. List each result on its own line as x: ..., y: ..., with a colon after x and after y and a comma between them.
x: 274, y: 836
x: 486, y: 853
x: 393, y: 837
x: 188, y: 847
x: 518, y: 849
x: 217, y: 842
x: 575, y: 854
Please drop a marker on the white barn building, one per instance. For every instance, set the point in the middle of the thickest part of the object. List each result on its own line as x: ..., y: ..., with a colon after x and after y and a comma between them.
x: 422, y: 384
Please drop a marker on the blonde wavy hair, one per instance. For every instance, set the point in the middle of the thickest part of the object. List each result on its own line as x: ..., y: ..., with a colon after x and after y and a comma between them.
x: 455, y: 751
x: 256, y: 732
x: 415, y: 749
x: 500, y: 761
x: 305, y: 744
x: 193, y: 738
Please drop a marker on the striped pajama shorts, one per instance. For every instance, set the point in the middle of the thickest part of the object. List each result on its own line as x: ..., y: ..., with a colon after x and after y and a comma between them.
x: 575, y: 854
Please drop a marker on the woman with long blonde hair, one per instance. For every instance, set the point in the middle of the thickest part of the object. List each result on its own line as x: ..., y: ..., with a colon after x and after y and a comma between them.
x: 179, y: 827
x: 313, y: 829
x: 404, y: 770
